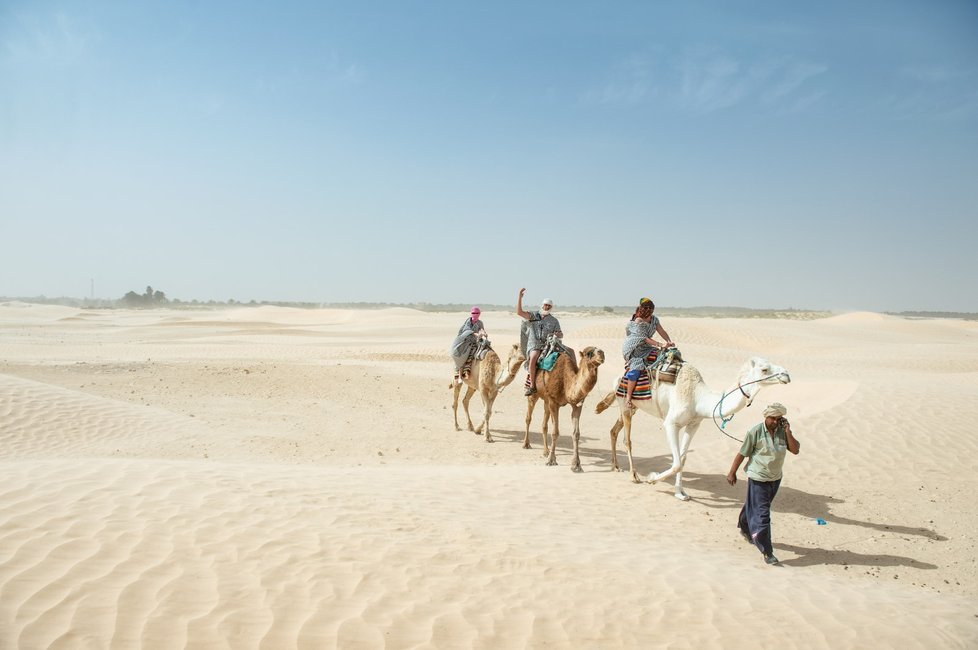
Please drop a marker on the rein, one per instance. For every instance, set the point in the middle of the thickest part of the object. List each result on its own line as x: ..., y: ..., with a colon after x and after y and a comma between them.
x: 750, y: 400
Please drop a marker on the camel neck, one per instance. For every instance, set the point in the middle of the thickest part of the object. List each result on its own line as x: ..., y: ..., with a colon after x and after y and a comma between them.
x: 584, y: 381
x: 731, y: 401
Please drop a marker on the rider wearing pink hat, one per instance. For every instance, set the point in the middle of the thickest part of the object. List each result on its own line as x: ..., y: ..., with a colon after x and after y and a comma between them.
x: 463, y: 348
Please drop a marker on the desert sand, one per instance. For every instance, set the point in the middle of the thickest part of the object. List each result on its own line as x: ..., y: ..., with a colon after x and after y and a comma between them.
x: 280, y: 478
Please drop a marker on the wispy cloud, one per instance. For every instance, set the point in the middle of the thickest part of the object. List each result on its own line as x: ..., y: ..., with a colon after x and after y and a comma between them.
x: 935, y: 74
x: 935, y: 91
x: 53, y: 39
x: 710, y: 82
x: 352, y: 74
x: 789, y: 78
x: 629, y: 83
x: 336, y: 71
x: 330, y: 72
x: 705, y: 80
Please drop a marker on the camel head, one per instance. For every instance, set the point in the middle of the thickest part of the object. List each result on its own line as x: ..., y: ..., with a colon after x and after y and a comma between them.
x: 761, y: 372
x: 514, y: 360
x: 591, y: 356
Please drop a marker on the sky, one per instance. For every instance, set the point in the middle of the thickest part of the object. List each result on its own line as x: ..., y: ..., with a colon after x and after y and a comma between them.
x: 755, y: 154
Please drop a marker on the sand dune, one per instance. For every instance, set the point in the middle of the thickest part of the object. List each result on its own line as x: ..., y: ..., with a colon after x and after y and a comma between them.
x: 280, y: 478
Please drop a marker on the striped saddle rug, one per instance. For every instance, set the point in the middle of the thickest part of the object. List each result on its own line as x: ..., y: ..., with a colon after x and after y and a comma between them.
x: 667, y: 375
x: 643, y: 388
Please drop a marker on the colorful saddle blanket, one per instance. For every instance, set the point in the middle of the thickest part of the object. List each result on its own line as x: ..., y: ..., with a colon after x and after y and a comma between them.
x: 668, y: 369
x: 643, y: 387
x: 545, y: 364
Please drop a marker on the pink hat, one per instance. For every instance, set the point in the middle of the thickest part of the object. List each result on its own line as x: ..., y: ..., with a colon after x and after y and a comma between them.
x: 475, y: 310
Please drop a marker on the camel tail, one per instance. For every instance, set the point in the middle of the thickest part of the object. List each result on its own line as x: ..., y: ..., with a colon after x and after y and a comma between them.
x: 603, y: 405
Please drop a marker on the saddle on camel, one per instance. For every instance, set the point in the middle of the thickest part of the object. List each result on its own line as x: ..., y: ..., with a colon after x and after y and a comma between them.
x: 482, y: 347
x: 548, y: 358
x: 661, y: 367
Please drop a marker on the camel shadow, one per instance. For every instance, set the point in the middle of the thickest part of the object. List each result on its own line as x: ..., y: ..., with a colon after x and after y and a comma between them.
x: 565, y: 447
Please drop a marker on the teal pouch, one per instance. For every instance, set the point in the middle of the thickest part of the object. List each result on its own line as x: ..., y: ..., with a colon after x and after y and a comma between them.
x: 548, y: 362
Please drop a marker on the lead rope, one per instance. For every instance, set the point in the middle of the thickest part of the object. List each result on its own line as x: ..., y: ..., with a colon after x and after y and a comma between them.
x: 750, y: 400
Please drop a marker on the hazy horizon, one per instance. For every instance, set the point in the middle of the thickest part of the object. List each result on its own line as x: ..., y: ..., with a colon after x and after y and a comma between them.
x: 801, y: 311
x: 818, y: 156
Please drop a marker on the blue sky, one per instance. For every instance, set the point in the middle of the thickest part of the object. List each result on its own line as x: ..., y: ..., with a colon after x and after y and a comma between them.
x: 759, y: 154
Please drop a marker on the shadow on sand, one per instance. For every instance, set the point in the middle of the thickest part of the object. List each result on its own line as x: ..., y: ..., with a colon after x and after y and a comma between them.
x: 712, y: 491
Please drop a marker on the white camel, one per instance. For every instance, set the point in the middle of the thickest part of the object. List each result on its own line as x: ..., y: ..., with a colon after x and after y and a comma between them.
x: 488, y: 376
x: 683, y: 406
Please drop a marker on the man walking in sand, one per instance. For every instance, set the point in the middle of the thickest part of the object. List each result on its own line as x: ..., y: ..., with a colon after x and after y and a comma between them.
x: 764, y: 447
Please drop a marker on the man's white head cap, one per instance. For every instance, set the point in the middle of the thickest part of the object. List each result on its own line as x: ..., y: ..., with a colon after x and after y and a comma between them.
x: 776, y: 410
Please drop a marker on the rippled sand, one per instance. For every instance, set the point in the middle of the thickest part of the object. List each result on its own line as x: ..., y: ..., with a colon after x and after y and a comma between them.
x: 280, y: 478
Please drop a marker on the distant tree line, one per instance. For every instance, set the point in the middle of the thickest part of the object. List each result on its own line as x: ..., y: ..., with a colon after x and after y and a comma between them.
x: 151, y: 298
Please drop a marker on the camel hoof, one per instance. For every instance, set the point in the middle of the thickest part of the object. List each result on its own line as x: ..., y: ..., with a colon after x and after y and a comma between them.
x: 617, y: 469
x: 635, y: 478
x: 576, y: 469
x: 458, y: 428
x: 526, y: 445
x: 682, y: 496
x: 652, y: 479
x: 551, y: 463
x: 489, y: 439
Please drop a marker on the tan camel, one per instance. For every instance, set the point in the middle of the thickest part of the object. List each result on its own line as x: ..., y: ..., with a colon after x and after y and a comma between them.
x: 488, y: 377
x: 560, y: 387
x: 683, y: 406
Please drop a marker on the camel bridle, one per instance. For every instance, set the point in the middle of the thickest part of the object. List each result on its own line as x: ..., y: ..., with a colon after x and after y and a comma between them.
x: 750, y: 400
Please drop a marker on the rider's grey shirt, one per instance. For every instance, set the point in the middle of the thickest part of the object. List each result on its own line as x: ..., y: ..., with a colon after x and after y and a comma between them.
x: 463, y: 347
x: 540, y: 328
x: 475, y: 327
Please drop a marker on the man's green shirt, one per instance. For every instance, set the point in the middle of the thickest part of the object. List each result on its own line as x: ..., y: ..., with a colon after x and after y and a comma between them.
x: 765, y: 451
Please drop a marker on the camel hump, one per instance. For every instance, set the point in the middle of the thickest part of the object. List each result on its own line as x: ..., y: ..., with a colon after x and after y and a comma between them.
x: 687, y: 379
x: 688, y: 373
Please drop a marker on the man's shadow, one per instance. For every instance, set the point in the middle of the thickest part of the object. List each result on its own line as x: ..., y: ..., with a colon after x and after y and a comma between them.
x: 715, y: 492
x: 810, y: 506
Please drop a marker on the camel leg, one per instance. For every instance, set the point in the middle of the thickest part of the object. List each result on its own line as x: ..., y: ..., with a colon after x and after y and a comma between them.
x: 672, y: 437
x: 626, y: 420
x: 469, y: 392
x: 456, y: 389
x: 531, y: 403
x: 552, y: 458
x: 687, y: 439
x: 546, y: 428
x: 487, y: 399
x: 615, y: 428
x: 576, y: 419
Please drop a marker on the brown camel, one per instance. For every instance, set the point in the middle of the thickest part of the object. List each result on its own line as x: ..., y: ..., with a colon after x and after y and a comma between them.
x: 559, y: 387
x: 488, y: 377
